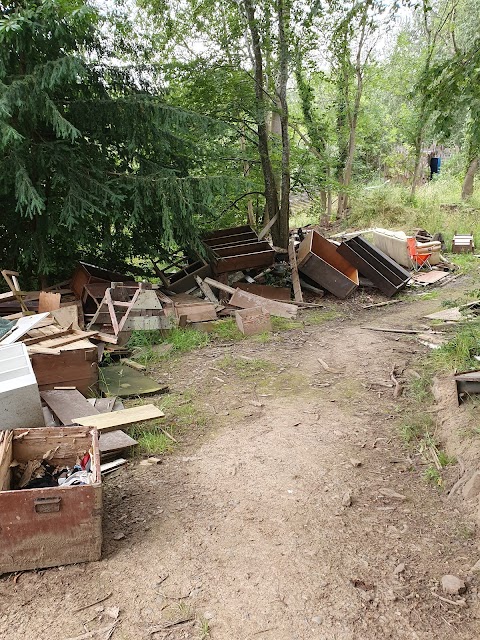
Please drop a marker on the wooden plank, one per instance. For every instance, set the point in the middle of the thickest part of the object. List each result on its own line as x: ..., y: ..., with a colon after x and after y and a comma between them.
x: 267, y: 227
x: 47, y: 336
x: 67, y: 404
x: 48, y: 301
x: 297, y: 289
x: 75, y: 336
x: 67, y: 316
x: 6, y: 438
x: 113, y: 316
x: 246, y: 300
x: 206, y: 290
x: 115, y: 441
x: 282, y: 294
x: 219, y: 285
x: 111, y: 421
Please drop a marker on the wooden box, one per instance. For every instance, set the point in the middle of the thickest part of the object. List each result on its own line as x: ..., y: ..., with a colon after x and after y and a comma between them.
x: 76, y: 366
x: 319, y: 260
x: 52, y: 526
x: 253, y: 321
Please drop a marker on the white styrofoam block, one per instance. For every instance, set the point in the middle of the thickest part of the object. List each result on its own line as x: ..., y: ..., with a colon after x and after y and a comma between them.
x: 20, y: 404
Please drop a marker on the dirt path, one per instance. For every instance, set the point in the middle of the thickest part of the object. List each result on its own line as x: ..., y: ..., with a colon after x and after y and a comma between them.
x: 245, y: 526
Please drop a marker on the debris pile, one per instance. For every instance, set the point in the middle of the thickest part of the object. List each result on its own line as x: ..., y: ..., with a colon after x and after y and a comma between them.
x: 63, y: 424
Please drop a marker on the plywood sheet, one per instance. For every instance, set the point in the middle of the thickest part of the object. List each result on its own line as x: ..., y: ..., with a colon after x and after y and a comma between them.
x: 123, y: 381
x: 48, y: 301
x: 67, y: 404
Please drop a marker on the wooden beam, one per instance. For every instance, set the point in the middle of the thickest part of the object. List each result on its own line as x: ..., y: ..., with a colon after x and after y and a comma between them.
x: 267, y: 227
x: 297, y: 289
x: 219, y: 285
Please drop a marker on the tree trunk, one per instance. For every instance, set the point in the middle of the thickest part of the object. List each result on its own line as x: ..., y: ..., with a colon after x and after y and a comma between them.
x: 281, y: 230
x: 418, y: 156
x: 271, y: 197
x: 468, y: 183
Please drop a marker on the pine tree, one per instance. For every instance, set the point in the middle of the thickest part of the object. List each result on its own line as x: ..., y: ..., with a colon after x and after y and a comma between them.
x: 93, y: 161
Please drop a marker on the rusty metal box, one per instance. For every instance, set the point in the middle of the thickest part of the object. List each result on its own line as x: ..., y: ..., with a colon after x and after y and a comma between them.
x: 51, y: 526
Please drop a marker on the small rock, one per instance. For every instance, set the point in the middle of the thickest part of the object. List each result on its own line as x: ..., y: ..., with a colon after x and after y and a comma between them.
x: 347, y: 499
x: 476, y: 566
x: 452, y: 585
x: 208, y: 615
x: 112, y: 612
x: 355, y: 462
x: 317, y: 620
x: 390, y: 493
x: 118, y: 536
x: 145, y: 463
x: 153, y: 460
x: 471, y: 489
x: 400, y: 568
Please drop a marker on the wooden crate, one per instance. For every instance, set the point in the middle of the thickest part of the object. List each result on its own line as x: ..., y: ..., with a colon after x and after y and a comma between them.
x: 76, y: 366
x: 56, y: 525
x: 318, y: 260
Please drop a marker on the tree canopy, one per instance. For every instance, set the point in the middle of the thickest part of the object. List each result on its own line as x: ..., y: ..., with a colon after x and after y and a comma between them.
x: 129, y: 128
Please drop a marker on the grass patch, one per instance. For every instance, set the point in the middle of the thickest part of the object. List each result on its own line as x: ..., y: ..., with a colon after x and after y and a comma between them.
x: 246, y: 369
x: 419, y: 390
x: 319, y: 317
x: 145, y: 343
x: 181, y: 415
x: 415, y: 426
x: 226, y: 330
x: 284, y: 324
x: 458, y: 352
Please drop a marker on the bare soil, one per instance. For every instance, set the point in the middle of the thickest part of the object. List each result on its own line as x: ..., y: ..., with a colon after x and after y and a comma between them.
x: 246, y: 526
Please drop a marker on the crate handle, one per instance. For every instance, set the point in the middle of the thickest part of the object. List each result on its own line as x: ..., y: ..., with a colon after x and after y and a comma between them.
x: 47, y: 505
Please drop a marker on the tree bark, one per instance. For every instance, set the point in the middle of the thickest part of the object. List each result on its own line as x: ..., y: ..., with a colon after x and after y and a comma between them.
x: 271, y: 197
x: 468, y: 183
x: 418, y: 154
x: 281, y: 230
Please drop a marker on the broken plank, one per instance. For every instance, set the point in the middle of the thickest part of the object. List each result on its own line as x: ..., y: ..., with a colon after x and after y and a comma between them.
x: 297, y: 289
x: 40, y: 338
x: 75, y: 336
x: 67, y: 404
x: 206, y: 290
x: 381, y: 304
x: 387, y: 330
x: 111, y: 421
x: 246, y: 300
x: 281, y: 294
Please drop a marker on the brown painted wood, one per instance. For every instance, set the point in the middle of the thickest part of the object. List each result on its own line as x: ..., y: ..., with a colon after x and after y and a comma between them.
x: 246, y: 300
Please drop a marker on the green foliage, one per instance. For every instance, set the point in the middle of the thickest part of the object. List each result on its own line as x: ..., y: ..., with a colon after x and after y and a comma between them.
x: 93, y: 161
x: 458, y: 352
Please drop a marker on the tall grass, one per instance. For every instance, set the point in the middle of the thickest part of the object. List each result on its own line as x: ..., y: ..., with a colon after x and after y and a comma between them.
x: 436, y: 207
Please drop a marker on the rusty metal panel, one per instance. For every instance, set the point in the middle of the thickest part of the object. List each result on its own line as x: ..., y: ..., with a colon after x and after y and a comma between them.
x: 56, y: 525
x: 384, y: 272
x: 318, y: 259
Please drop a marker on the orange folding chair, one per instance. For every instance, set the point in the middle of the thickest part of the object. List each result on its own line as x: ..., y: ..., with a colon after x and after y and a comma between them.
x: 418, y: 255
